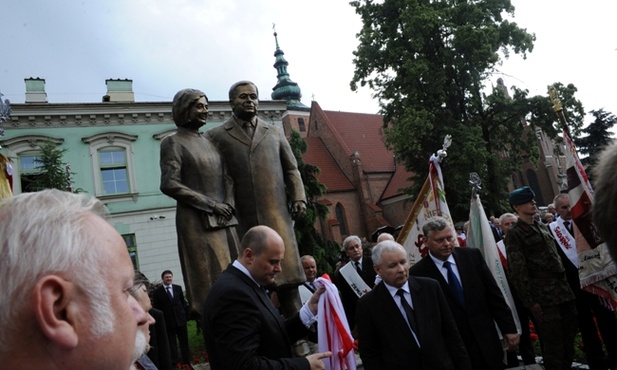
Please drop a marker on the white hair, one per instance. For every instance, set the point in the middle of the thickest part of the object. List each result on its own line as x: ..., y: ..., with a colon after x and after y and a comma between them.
x: 45, y: 233
x: 384, y: 236
x: 141, y: 345
x: 349, y: 239
x: 385, y: 246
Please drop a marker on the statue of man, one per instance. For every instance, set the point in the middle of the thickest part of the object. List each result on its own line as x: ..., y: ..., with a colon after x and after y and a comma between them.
x: 194, y: 174
x: 268, y: 186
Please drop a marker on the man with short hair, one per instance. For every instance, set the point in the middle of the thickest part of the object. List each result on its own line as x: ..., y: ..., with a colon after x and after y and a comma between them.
x: 405, y: 322
x: 65, y: 275
x: 593, y: 318
x: 242, y: 328
x: 169, y: 298
x: 310, y: 271
x: 355, y: 278
x: 538, y: 276
x: 473, y: 296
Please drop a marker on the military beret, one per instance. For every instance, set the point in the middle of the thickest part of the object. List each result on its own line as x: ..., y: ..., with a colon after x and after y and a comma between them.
x: 521, y: 196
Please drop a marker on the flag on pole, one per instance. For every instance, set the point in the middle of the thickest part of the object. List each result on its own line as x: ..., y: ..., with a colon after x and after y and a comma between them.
x: 430, y: 202
x: 480, y: 236
x: 597, y: 271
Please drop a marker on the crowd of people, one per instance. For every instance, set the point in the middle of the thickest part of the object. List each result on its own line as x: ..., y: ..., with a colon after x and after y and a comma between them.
x: 71, y: 298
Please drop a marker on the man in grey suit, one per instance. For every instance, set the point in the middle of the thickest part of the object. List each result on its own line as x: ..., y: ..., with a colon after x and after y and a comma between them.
x: 405, y: 322
x: 266, y: 179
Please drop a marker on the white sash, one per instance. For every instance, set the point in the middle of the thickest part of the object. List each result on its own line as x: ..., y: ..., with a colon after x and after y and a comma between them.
x: 305, y: 293
x: 501, y: 248
x: 354, y: 280
x: 565, y: 240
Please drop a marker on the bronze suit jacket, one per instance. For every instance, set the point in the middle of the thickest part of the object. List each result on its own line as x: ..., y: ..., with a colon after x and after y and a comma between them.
x: 266, y: 179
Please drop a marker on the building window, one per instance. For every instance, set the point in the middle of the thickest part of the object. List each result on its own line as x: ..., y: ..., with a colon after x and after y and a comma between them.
x: 131, y: 245
x: 29, y: 171
x: 340, y: 217
x: 114, y: 174
x: 301, y: 125
x: 112, y: 164
x: 23, y: 152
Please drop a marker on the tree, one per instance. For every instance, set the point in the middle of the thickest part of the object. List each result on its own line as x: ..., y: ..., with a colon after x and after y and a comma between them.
x: 309, y: 241
x: 598, y: 137
x: 54, y: 173
x: 428, y: 63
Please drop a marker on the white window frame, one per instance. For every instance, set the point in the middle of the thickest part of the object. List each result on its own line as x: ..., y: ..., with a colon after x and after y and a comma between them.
x: 22, y: 144
x: 118, y: 140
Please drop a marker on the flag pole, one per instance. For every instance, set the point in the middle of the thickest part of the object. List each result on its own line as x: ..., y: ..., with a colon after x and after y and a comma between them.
x: 417, y: 204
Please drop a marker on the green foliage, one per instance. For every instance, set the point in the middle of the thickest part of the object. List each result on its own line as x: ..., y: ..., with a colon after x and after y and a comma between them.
x: 309, y: 241
x: 428, y: 63
x: 54, y: 174
x: 598, y: 137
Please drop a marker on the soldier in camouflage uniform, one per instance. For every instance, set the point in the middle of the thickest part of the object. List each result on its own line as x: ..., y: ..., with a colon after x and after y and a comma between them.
x: 538, y: 276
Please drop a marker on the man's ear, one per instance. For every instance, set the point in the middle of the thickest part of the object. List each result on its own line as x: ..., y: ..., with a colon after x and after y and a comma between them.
x: 56, y: 310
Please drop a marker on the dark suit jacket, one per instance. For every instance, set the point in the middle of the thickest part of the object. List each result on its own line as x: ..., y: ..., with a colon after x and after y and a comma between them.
x: 159, y: 344
x: 349, y: 299
x: 385, y: 341
x: 243, y: 329
x: 175, y: 310
x: 483, y: 303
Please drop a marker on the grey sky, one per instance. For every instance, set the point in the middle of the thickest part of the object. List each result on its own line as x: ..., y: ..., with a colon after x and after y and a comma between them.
x: 167, y: 45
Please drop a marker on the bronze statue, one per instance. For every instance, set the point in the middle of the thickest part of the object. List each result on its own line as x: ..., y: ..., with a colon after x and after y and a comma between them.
x: 268, y: 186
x: 194, y: 174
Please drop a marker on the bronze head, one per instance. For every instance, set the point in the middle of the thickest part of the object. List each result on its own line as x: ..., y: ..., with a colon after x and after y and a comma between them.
x: 183, y: 101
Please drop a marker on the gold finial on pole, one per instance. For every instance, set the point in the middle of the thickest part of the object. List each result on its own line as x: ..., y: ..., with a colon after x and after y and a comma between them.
x: 558, y: 108
x: 552, y: 93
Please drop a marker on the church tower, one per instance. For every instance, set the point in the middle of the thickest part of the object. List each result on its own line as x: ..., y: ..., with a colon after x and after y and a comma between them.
x: 285, y: 88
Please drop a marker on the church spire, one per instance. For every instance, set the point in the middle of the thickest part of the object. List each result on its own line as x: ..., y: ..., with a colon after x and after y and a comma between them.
x: 285, y: 88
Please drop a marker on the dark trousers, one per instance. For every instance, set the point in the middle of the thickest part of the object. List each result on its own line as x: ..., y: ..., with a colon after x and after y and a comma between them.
x: 181, y: 333
x: 589, y: 307
x: 557, y: 330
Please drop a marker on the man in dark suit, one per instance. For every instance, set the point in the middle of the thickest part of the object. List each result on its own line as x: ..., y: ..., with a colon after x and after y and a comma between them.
x: 362, y: 267
x: 266, y: 180
x: 169, y: 298
x: 473, y: 296
x: 405, y: 322
x: 242, y: 328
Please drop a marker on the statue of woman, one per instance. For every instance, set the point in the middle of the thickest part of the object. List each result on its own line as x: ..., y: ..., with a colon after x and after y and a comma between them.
x: 194, y: 174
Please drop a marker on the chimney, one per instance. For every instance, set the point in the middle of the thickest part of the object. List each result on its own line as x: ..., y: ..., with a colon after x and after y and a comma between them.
x: 119, y: 91
x: 35, y: 90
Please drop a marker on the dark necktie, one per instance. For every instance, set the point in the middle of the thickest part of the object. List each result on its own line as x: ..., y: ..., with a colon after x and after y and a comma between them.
x: 568, y: 225
x: 248, y: 128
x: 454, y: 283
x: 358, y: 268
x: 169, y: 293
x: 311, y: 286
x: 411, y: 316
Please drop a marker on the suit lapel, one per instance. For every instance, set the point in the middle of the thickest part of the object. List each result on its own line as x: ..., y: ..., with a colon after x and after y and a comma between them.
x: 236, y: 132
x: 261, y: 130
x: 390, y: 309
x: 262, y: 296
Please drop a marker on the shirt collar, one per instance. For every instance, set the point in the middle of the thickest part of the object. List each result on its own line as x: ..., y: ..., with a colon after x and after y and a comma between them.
x: 439, y: 263
x: 244, y: 270
x: 393, y: 290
